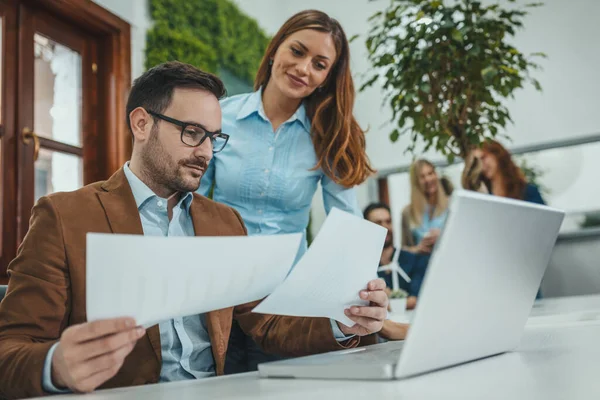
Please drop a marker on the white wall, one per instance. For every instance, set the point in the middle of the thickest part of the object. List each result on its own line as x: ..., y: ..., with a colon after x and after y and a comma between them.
x: 137, y: 14
x: 573, y: 268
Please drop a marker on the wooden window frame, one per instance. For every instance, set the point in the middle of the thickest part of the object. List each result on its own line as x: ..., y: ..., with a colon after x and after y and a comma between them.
x: 116, y: 54
x: 109, y: 98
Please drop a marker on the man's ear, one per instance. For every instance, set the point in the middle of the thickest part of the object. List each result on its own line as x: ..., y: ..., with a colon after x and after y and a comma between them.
x: 141, y: 124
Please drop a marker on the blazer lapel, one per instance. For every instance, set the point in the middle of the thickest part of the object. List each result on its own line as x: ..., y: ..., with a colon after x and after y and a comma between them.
x: 219, y: 328
x: 218, y: 322
x: 204, y: 224
x: 124, y: 218
x: 119, y: 204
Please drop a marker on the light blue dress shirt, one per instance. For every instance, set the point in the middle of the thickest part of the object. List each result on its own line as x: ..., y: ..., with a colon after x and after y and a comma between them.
x: 429, y: 223
x: 267, y: 176
x: 185, y: 343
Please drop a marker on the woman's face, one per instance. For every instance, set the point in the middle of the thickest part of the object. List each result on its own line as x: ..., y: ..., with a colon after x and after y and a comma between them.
x: 302, y: 62
x: 489, y: 163
x: 428, y: 180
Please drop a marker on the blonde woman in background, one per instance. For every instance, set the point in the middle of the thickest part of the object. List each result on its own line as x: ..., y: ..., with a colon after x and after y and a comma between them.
x: 424, y: 217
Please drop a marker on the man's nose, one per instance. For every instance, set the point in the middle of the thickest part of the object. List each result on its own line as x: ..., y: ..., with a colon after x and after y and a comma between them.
x: 205, y: 150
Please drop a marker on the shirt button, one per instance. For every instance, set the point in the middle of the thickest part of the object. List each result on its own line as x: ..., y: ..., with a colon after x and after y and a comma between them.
x: 262, y: 194
x: 266, y: 171
x: 271, y: 148
x: 260, y: 211
x: 159, y: 203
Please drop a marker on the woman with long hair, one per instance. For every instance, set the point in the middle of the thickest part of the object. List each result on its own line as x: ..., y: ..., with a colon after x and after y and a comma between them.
x: 502, y: 177
x: 296, y: 130
x: 424, y: 216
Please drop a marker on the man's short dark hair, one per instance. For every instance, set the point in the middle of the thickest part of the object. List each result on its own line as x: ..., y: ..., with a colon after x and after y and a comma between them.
x: 375, y: 206
x: 153, y: 90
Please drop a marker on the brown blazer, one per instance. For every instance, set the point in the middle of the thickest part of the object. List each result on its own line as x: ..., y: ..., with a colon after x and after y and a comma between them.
x: 46, y: 292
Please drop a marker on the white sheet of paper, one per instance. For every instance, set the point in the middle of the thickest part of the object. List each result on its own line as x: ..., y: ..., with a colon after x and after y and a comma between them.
x: 340, y: 262
x: 154, y: 279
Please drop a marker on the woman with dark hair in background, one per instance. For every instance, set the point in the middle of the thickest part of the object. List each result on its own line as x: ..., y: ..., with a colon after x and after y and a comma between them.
x: 502, y: 176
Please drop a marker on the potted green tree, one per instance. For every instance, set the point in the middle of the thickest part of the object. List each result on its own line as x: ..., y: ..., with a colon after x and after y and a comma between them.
x: 445, y: 69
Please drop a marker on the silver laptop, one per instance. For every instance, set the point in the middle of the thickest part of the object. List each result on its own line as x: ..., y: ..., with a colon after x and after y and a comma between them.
x: 477, y: 294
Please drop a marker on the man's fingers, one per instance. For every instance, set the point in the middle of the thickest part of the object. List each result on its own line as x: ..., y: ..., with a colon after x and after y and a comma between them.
x: 92, y: 382
x: 110, y: 343
x: 378, y: 297
x: 93, y: 330
x: 96, y: 366
x: 376, y: 284
x: 377, y: 313
x: 371, y: 325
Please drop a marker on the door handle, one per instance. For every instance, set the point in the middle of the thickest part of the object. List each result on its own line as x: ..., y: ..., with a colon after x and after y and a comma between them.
x: 27, y: 135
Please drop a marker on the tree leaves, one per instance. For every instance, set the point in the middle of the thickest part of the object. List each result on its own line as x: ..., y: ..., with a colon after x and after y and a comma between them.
x: 445, y: 66
x: 209, y: 34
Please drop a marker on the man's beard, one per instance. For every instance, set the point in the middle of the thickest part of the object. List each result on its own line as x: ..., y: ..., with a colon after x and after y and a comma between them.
x: 165, y: 171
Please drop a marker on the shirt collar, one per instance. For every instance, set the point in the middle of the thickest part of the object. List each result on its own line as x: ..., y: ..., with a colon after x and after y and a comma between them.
x: 141, y: 192
x: 254, y: 105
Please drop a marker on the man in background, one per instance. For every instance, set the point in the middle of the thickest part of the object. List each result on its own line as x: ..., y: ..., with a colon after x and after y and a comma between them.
x: 380, y: 214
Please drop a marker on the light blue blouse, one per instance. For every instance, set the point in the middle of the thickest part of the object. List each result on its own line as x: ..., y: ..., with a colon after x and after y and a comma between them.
x: 267, y: 176
x: 429, y: 223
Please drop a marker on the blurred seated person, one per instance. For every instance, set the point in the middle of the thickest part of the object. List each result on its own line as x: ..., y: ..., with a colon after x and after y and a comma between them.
x: 424, y: 217
x: 380, y: 214
x: 502, y: 177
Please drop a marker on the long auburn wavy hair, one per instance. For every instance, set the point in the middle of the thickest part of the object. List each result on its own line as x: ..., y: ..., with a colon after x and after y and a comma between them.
x: 338, y: 140
x: 513, y: 177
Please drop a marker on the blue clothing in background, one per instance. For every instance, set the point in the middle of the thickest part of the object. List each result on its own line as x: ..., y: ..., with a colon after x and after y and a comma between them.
x: 436, y: 222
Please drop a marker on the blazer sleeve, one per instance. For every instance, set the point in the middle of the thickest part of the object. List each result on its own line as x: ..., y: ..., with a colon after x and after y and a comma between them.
x: 292, y: 336
x: 37, y: 304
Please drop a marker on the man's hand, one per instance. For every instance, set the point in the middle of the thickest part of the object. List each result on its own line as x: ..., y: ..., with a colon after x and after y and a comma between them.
x: 423, y: 247
x: 369, y: 319
x: 89, y: 354
x: 429, y: 240
x: 393, y: 330
x: 411, y: 302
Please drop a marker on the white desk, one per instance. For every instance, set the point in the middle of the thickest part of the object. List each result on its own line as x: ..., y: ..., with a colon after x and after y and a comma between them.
x: 554, y: 361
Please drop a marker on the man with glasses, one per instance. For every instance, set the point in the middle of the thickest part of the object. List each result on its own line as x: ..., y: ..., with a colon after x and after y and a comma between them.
x: 46, y: 345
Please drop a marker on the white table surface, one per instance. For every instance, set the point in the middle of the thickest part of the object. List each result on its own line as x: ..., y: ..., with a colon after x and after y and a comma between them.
x: 558, y: 359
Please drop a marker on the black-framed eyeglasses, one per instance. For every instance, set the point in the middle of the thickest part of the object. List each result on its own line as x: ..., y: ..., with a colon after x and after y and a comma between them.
x: 194, y: 135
